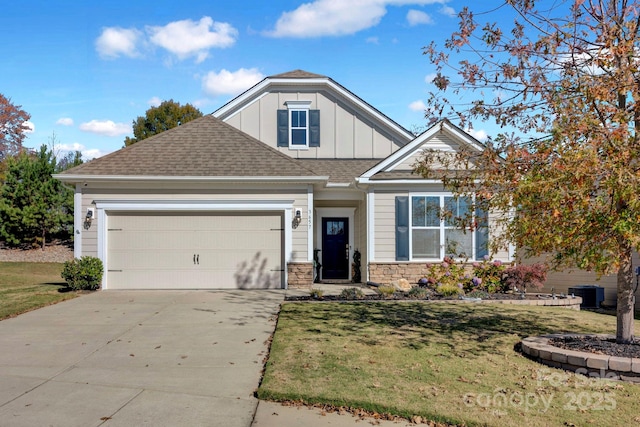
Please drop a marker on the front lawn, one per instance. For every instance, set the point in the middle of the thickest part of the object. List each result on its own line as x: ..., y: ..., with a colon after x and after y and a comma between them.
x: 447, y: 363
x: 25, y: 286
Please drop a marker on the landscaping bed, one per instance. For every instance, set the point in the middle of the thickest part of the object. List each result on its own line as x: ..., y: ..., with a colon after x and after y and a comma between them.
x: 597, y: 345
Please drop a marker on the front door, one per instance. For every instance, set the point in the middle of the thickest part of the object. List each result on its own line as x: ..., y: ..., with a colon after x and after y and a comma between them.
x: 335, y: 248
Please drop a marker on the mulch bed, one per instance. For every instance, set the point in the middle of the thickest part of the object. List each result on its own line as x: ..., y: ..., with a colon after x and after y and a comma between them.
x: 597, y: 345
x: 399, y: 296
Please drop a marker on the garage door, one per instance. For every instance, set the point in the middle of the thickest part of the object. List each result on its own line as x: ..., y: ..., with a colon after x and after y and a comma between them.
x: 194, y: 250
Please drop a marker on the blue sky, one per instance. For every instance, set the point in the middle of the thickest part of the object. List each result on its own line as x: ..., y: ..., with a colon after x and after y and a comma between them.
x: 86, y: 70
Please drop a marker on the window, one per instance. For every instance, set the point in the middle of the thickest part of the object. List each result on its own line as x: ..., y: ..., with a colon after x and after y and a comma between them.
x: 298, y: 126
x: 435, y: 230
x: 299, y: 135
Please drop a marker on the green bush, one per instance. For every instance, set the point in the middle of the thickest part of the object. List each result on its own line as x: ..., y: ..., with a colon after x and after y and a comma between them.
x: 448, y: 272
x: 448, y: 290
x: 419, y: 293
x: 490, y: 274
x: 386, y: 291
x: 316, y: 293
x: 83, y: 274
x: 351, y: 294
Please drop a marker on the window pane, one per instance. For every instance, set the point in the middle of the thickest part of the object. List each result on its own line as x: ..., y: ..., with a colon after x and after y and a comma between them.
x: 417, y: 211
x: 458, y: 243
x: 302, y: 119
x: 294, y: 119
x: 426, y: 243
x: 482, y: 234
x: 298, y: 137
x: 459, y: 208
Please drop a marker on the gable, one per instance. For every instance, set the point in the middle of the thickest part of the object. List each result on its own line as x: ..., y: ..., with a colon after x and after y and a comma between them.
x: 349, y: 128
x: 443, y: 136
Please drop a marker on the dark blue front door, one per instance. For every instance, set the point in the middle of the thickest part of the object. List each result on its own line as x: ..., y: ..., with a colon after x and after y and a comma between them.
x: 335, y: 248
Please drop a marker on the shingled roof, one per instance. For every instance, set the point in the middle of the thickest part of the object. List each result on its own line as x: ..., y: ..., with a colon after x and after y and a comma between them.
x: 340, y: 170
x: 298, y: 74
x: 205, y: 147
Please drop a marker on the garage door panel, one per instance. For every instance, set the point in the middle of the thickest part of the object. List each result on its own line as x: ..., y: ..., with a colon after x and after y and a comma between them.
x: 156, y: 251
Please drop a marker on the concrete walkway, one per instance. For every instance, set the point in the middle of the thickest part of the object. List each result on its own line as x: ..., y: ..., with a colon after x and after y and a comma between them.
x: 156, y: 358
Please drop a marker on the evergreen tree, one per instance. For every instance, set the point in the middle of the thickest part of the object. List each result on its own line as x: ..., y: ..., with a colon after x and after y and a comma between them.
x: 33, y: 205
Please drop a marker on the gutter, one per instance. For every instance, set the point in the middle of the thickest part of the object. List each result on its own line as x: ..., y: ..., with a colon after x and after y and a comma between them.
x: 164, y: 178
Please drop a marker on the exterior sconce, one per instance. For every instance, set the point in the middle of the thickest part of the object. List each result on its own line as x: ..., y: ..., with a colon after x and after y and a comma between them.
x: 297, y: 218
x: 88, y: 218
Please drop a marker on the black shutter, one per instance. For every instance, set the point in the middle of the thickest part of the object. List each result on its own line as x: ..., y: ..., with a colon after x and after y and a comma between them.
x: 402, y: 228
x: 314, y: 128
x: 283, y: 128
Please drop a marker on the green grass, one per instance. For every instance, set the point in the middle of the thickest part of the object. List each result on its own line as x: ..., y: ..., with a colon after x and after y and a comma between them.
x: 448, y: 363
x: 26, y: 286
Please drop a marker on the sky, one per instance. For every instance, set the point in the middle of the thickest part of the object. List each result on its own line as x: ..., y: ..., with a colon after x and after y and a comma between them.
x: 85, y: 70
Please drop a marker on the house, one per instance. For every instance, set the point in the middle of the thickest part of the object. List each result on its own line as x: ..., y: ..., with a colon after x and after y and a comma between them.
x: 296, y: 169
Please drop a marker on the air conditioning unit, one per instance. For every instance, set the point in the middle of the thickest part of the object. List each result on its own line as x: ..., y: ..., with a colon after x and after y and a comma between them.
x: 592, y: 295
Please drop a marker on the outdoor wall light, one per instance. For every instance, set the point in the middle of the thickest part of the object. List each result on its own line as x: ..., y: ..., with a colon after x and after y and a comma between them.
x: 297, y: 218
x: 88, y: 218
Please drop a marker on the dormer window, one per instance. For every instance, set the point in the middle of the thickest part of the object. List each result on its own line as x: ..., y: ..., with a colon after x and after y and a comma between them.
x: 298, y: 126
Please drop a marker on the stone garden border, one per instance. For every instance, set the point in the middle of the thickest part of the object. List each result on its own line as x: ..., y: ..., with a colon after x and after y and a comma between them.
x: 589, y: 364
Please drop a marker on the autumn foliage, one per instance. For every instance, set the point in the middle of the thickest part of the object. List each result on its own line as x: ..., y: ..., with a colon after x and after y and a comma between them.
x: 12, y: 127
x: 562, y: 80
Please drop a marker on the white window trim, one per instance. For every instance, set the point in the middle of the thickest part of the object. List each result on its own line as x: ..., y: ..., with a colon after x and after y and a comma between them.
x: 298, y: 106
x: 442, y: 229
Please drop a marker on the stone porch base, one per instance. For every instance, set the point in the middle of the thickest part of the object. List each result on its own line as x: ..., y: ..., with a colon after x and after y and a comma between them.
x: 300, y: 275
x: 387, y: 272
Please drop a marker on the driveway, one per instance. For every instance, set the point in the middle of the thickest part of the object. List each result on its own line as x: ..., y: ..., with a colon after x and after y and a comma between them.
x: 136, y: 358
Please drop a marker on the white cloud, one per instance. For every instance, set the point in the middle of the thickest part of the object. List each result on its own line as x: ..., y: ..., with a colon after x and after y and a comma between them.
x: 115, y: 41
x: 372, y: 40
x: 418, y: 17
x: 230, y: 83
x: 65, y: 121
x: 154, y: 101
x: 29, y: 126
x: 428, y: 79
x: 417, y: 106
x: 448, y: 11
x: 188, y: 38
x: 478, y: 134
x: 106, y: 127
x: 336, y: 17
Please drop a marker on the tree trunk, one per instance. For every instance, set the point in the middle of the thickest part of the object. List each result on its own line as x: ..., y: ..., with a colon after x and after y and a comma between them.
x: 624, y: 329
x: 44, y: 235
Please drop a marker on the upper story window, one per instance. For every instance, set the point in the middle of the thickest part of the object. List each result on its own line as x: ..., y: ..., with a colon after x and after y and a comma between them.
x: 298, y: 126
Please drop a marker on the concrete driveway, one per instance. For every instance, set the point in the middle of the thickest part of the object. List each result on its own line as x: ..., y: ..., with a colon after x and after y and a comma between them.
x: 136, y: 358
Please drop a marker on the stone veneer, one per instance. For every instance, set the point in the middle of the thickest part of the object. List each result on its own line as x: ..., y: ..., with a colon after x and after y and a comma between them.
x: 386, y: 272
x: 588, y: 364
x: 300, y: 275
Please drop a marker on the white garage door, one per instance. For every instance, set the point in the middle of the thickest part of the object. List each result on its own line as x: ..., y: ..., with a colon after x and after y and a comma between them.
x: 194, y: 250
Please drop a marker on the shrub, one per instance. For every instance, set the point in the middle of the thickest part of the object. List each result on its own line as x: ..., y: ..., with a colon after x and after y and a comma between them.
x: 520, y: 277
x: 351, y: 294
x: 419, y: 293
x: 316, y: 293
x: 490, y: 274
x: 83, y: 274
x: 386, y: 291
x: 448, y: 272
x: 448, y: 290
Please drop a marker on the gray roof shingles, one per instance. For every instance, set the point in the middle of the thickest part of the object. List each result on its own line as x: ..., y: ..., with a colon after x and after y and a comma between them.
x: 205, y: 147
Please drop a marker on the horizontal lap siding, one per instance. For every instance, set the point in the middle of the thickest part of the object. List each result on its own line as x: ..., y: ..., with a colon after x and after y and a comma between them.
x: 299, y: 235
x: 385, y: 226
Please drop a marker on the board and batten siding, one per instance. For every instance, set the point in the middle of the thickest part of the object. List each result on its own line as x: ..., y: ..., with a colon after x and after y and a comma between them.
x: 344, y: 134
x: 299, y: 235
